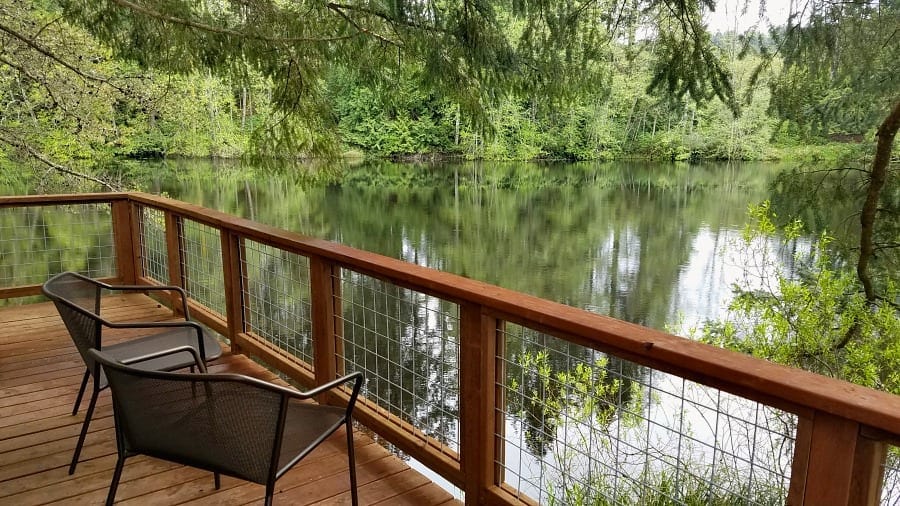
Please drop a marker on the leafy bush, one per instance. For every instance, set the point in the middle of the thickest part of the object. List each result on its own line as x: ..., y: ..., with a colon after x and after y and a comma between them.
x: 818, y: 320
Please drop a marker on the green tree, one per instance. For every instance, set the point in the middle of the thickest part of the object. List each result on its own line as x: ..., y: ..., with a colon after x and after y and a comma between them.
x: 469, y: 50
x: 818, y: 321
x: 840, y: 75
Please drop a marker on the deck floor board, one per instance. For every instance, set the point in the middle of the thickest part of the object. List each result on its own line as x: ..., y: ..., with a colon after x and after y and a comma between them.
x: 40, y: 372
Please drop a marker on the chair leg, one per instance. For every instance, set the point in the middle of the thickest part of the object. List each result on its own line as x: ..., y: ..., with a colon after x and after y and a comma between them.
x: 84, y: 429
x: 352, y: 459
x: 218, y: 480
x: 114, y: 484
x: 270, y: 491
x: 87, y: 375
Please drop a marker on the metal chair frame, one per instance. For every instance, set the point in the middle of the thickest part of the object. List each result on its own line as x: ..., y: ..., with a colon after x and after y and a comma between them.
x: 85, y: 326
x: 115, y: 371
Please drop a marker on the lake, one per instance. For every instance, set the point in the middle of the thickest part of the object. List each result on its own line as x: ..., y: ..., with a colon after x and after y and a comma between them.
x: 639, y: 242
x: 648, y: 243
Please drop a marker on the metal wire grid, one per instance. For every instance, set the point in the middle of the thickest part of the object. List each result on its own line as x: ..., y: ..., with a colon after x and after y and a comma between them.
x: 203, y: 269
x: 585, y: 428
x: 38, y: 242
x: 154, y: 254
x: 890, y: 490
x: 278, y: 298
x: 406, y: 343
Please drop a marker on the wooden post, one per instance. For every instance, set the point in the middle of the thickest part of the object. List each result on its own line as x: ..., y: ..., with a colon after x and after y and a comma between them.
x: 800, y: 463
x: 834, y: 464
x: 175, y: 254
x: 498, y: 329
x: 127, y: 242
x: 323, y: 299
x: 477, y: 370
x: 868, y: 472
x: 234, y: 275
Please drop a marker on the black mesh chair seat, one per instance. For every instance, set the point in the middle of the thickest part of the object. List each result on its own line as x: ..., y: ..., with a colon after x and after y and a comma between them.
x: 77, y: 298
x: 224, y: 423
x: 146, y: 345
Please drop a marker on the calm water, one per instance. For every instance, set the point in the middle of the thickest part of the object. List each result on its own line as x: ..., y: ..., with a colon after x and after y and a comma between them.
x: 648, y: 243
x: 639, y: 242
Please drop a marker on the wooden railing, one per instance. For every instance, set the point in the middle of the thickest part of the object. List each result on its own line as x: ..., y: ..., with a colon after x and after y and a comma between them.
x: 842, y: 431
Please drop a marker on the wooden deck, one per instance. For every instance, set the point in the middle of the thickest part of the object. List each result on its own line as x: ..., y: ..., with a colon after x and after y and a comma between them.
x: 40, y: 372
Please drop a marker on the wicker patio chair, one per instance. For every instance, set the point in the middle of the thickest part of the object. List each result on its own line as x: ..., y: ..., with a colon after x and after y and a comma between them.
x: 224, y: 423
x: 77, y: 298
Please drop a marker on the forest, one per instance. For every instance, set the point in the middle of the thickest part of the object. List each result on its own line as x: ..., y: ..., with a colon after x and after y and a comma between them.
x: 89, y: 87
x: 71, y: 103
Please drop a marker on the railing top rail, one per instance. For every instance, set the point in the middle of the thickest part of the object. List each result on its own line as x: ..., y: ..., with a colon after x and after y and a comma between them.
x: 61, y: 199
x: 787, y: 388
x: 784, y: 387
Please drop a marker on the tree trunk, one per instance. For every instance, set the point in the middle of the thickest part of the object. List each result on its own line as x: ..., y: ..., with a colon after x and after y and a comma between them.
x: 885, y: 135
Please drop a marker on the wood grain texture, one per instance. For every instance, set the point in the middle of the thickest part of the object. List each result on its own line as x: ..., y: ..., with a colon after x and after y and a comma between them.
x: 39, y: 375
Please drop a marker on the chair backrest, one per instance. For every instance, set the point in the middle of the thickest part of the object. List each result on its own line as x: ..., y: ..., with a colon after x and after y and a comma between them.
x: 222, y: 423
x: 77, y: 298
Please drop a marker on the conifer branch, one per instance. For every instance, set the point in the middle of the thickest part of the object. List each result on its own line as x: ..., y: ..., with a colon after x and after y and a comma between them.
x: 49, y: 54
x: 384, y: 17
x: 37, y: 155
x: 339, y: 9
x: 219, y: 30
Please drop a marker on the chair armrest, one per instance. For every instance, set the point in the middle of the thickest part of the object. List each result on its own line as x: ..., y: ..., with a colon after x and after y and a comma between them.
x: 159, y: 325
x: 171, y: 351
x: 356, y: 376
x: 151, y: 288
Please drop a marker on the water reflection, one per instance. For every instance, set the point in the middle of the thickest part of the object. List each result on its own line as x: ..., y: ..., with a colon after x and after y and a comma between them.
x: 636, y: 242
x: 613, y: 239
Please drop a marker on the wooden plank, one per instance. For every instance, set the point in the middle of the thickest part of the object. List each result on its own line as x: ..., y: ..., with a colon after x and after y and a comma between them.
x: 57, y: 477
x: 90, y: 481
x: 411, y: 441
x: 20, y: 291
x: 233, y: 263
x: 52, y: 434
x: 246, y: 492
x: 322, y: 300
x: 797, y: 391
x: 126, y: 242
x: 868, y: 472
x: 38, y: 433
x: 386, y: 487
x: 478, y: 338
x: 424, y: 494
x: 326, y: 480
x: 800, y: 462
x: 62, y: 199
x: 12, y: 458
x: 175, y: 254
x: 830, y: 467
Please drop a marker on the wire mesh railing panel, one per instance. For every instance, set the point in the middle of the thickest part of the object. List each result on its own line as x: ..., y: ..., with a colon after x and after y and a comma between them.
x: 38, y: 242
x: 154, y: 254
x: 278, y: 298
x: 890, y: 490
x: 202, y: 265
x: 581, y: 427
x: 407, y: 345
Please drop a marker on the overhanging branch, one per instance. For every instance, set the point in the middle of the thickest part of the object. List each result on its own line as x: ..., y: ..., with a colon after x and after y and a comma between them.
x: 37, y: 155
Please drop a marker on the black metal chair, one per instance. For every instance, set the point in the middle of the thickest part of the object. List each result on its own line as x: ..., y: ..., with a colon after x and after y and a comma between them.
x: 77, y: 298
x: 224, y: 423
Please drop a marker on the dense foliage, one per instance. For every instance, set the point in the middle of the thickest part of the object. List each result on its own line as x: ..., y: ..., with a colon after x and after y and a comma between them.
x: 819, y: 320
x: 604, y: 94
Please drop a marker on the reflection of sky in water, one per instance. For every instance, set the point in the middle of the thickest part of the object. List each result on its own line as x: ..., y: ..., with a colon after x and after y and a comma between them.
x: 653, y: 256
x: 718, y: 262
